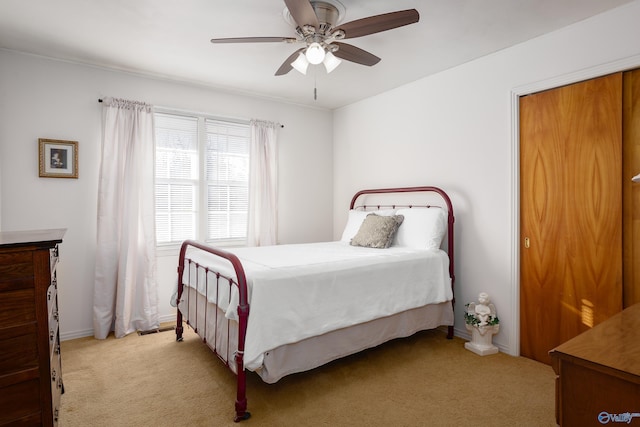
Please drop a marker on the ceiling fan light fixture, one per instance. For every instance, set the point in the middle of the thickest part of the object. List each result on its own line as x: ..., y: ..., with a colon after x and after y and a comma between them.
x: 315, y: 53
x: 301, y: 64
x: 330, y: 62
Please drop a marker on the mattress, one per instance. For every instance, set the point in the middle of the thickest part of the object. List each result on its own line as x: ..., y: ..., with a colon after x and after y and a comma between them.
x: 297, y: 292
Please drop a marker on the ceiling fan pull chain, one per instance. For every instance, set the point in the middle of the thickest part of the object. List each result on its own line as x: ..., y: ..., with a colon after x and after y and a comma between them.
x: 315, y: 88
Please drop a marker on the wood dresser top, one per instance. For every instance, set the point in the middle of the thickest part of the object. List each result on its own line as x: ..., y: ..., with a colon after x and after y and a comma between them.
x: 24, y: 238
x: 612, y: 344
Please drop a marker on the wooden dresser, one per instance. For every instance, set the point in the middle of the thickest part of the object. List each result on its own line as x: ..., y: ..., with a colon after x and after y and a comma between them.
x: 598, y: 373
x: 30, y: 368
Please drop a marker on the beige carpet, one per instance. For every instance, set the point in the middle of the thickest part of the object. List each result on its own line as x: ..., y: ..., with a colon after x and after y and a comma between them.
x: 424, y: 380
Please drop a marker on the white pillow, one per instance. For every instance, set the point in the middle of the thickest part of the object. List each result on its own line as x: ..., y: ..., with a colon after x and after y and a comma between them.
x: 355, y: 221
x: 423, y: 228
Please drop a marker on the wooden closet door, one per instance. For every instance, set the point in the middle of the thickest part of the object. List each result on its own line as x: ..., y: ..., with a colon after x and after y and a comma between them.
x: 631, y: 190
x: 570, y: 212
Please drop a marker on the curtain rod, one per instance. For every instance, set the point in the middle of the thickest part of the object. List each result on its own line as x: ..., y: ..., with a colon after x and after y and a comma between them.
x: 281, y: 125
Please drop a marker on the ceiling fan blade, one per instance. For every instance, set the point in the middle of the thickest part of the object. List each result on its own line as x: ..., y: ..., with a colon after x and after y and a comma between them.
x: 286, y: 65
x: 355, y: 54
x: 302, y: 12
x: 378, y: 23
x: 254, y: 40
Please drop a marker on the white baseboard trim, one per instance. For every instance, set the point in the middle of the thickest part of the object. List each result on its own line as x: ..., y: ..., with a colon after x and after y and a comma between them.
x: 65, y: 336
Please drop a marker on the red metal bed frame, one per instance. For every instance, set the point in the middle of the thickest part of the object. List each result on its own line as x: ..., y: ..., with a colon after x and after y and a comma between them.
x: 240, y: 281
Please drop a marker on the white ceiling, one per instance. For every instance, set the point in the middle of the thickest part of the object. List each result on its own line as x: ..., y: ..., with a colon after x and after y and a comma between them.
x: 170, y: 39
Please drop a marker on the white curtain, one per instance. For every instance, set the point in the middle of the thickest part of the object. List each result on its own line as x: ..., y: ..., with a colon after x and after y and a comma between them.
x: 263, y: 184
x: 125, y: 294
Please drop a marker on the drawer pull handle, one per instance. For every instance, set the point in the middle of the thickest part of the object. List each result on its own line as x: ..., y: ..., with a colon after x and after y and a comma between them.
x: 53, y: 375
x: 56, y: 315
x: 51, y: 335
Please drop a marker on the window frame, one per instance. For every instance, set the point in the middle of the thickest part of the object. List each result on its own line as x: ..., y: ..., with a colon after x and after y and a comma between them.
x: 201, y: 211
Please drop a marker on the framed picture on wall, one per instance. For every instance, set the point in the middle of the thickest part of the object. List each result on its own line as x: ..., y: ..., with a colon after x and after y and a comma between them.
x: 58, y: 158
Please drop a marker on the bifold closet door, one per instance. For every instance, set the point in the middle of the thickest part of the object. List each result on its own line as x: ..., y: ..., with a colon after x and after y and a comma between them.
x: 570, y: 212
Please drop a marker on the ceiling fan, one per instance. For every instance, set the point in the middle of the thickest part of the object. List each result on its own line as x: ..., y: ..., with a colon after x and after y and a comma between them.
x: 315, y: 22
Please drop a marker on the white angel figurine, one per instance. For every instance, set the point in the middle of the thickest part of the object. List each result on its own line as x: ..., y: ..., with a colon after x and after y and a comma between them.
x: 482, y: 321
x: 481, y: 315
x: 484, y: 311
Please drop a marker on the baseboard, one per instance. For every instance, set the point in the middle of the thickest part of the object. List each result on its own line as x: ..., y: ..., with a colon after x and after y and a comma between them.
x: 167, y: 318
x: 65, y: 336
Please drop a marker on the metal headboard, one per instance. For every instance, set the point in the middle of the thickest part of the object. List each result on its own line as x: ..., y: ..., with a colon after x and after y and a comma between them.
x: 423, y: 189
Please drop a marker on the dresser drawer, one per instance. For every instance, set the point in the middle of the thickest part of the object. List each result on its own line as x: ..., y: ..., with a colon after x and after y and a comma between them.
x: 17, y: 307
x: 18, y: 349
x: 20, y: 402
x: 16, y: 270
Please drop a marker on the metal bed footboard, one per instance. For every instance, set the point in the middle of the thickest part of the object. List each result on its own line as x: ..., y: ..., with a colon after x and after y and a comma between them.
x: 240, y: 282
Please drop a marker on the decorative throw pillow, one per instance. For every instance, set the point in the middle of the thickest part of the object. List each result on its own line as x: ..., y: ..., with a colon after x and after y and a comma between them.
x: 356, y: 217
x: 377, y: 231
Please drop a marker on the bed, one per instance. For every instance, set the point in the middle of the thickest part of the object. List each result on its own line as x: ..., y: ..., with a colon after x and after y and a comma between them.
x: 283, y: 309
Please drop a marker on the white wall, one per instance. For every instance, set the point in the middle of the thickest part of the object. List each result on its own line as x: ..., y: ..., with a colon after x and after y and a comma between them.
x: 42, y: 98
x: 455, y: 130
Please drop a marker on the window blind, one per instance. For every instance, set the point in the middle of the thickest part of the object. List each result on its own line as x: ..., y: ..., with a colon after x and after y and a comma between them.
x: 227, y: 175
x: 208, y: 168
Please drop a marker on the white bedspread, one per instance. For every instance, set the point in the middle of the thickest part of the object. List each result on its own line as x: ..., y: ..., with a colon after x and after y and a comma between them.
x: 304, y: 290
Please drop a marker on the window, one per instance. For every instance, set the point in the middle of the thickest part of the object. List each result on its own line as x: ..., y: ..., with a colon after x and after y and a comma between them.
x: 202, y: 179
